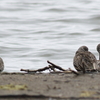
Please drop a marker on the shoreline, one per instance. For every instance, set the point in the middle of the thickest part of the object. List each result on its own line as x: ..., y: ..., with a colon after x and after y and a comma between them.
x: 49, y: 85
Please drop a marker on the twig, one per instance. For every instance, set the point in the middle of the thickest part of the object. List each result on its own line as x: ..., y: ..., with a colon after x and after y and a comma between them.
x: 76, y: 73
x: 55, y: 66
x: 38, y: 70
x: 52, y: 68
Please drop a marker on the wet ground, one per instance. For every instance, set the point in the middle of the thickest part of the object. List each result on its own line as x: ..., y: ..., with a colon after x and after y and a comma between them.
x: 45, y: 86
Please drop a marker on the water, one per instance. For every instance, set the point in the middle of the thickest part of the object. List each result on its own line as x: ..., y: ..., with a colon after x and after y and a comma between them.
x: 34, y: 31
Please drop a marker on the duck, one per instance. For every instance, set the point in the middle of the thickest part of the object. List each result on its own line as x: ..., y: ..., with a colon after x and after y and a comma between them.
x: 98, y: 50
x: 84, y: 60
x: 1, y: 65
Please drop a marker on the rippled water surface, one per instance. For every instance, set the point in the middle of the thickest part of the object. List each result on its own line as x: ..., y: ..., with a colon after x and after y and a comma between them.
x: 34, y: 31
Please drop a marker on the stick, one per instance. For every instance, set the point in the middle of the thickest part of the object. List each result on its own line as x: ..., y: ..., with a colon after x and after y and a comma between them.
x: 74, y: 71
x: 52, y: 68
x: 38, y: 70
x: 55, y: 66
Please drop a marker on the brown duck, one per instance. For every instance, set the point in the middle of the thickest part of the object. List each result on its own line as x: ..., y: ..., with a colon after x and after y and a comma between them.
x: 84, y: 60
x: 1, y: 65
x: 98, y: 49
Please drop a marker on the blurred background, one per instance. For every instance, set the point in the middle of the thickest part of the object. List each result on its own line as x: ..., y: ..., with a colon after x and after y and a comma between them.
x: 34, y: 31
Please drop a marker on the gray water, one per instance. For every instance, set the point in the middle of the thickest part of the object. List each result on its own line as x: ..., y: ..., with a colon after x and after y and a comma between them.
x: 34, y: 31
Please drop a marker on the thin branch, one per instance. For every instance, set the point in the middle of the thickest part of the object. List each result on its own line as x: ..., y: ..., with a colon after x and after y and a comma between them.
x: 76, y: 73
x: 38, y: 70
x: 55, y: 66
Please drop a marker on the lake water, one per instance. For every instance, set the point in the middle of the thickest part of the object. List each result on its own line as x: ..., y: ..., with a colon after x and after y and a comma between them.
x: 34, y: 31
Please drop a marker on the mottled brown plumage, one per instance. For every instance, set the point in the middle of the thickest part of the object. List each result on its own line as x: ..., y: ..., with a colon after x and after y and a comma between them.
x: 98, y: 49
x: 1, y: 65
x: 84, y: 60
x: 98, y: 62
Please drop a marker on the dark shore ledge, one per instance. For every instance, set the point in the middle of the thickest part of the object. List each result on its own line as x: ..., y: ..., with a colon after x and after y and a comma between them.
x: 45, y: 86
